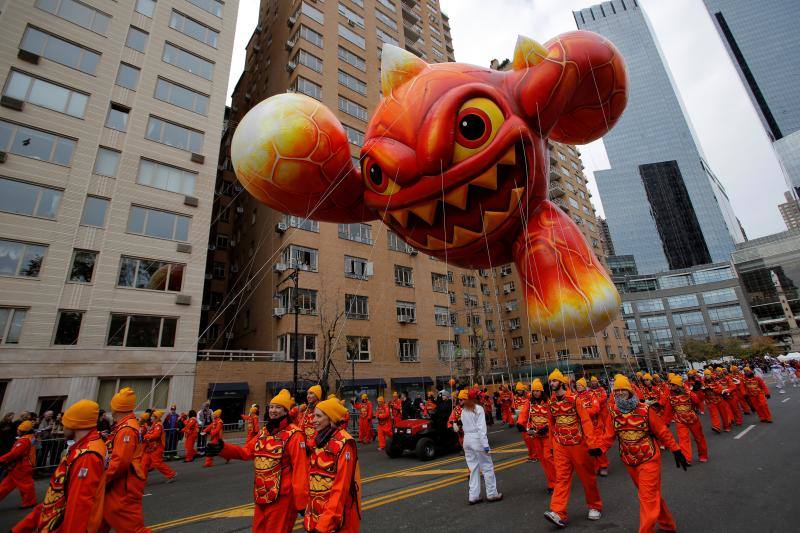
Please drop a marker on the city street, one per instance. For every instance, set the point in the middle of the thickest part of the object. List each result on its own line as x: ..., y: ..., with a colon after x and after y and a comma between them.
x: 744, y: 488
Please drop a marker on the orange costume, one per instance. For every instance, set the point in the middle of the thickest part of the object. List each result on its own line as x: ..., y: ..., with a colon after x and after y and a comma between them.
x: 454, y: 421
x: 214, y: 433
x: 741, y: 395
x: 601, y: 397
x: 731, y: 385
x: 154, y: 448
x: 125, y: 475
x: 280, y: 489
x: 505, y: 406
x: 190, y: 431
x: 334, y: 502
x: 384, y: 417
x: 638, y: 429
x: 19, y: 463
x: 681, y: 406
x: 364, y: 408
x: 307, y: 417
x: 573, y: 435
x: 74, y: 498
x: 396, y: 408
x: 757, y: 392
x: 590, y: 404
x: 717, y: 407
x: 534, y: 419
x: 251, y: 424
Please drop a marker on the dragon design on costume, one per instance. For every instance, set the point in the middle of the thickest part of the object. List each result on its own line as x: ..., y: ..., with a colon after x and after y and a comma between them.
x: 455, y: 161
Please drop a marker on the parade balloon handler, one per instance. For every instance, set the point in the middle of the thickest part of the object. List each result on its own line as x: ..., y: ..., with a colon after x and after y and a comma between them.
x: 18, y: 464
x: 477, y: 451
x: 682, y: 406
x: 533, y: 422
x: 278, y: 452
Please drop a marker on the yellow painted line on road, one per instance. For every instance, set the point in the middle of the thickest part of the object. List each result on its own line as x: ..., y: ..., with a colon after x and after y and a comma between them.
x: 434, y: 472
x: 245, y: 510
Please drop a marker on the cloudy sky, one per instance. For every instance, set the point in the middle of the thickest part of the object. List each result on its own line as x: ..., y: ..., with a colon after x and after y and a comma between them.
x: 730, y: 132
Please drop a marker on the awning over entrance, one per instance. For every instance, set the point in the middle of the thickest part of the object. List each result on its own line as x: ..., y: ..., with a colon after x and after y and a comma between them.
x: 422, y: 380
x: 239, y: 389
x: 363, y: 382
x: 273, y: 387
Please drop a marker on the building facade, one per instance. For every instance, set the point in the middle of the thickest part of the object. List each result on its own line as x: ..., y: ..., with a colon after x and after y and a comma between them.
x: 661, y: 311
x: 769, y: 270
x: 790, y: 211
x: 374, y: 315
x: 663, y: 204
x: 758, y: 37
x: 110, y: 124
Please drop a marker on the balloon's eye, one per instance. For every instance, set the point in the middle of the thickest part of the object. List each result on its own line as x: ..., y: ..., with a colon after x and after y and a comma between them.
x: 477, y: 124
x: 375, y: 180
x: 472, y: 126
x: 376, y: 176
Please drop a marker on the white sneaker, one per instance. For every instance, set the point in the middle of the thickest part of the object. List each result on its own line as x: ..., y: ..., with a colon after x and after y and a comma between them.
x: 594, y: 514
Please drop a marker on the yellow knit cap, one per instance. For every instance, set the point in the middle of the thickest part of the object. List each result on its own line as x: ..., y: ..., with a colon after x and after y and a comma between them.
x: 253, y: 409
x: 647, y: 376
x: 692, y: 372
x: 556, y: 375
x: 675, y: 379
x: 25, y: 426
x: 519, y: 386
x: 380, y: 399
x: 81, y: 415
x: 364, y: 396
x: 707, y: 372
x: 638, y: 374
x: 594, y: 379
x: 145, y: 416
x: 734, y: 368
x: 394, y: 394
x: 283, y: 398
x: 656, y: 376
x: 316, y: 390
x: 158, y: 413
x: 463, y: 394
x: 537, y: 385
x: 124, y: 401
x: 747, y: 369
x: 719, y: 369
x: 622, y: 383
x: 581, y: 382
x: 332, y: 409
x: 218, y: 413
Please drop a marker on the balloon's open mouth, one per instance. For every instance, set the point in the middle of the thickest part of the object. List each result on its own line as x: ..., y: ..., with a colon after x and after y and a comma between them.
x: 466, y: 212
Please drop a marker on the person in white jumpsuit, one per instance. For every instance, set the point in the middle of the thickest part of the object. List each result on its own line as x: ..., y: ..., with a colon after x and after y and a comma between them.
x: 476, y: 451
x: 778, y: 376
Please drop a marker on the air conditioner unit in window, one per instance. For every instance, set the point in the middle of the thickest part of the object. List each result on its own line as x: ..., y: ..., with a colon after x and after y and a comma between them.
x: 280, y: 267
x: 232, y: 243
x: 212, y: 247
x: 290, y: 44
x: 291, y: 21
x: 290, y: 66
x: 405, y: 319
x: 209, y: 276
x: 239, y: 209
x: 281, y: 227
x: 369, y: 269
x: 509, y: 308
x: 279, y: 312
x: 413, y: 251
x: 506, y: 291
x: 351, y: 23
x: 229, y: 335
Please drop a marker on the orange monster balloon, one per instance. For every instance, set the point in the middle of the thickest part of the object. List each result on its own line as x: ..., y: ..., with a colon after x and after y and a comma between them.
x: 455, y: 161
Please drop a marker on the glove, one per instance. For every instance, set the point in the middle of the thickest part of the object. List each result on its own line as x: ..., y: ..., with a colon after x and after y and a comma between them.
x: 486, y: 449
x: 212, y: 449
x: 595, y: 452
x: 680, y: 460
x: 302, y: 513
x: 542, y: 431
x: 696, y: 386
x: 769, y: 396
x: 520, y: 428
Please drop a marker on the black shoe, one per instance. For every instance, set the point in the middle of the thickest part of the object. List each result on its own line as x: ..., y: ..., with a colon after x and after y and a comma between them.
x: 549, y: 490
x: 476, y: 502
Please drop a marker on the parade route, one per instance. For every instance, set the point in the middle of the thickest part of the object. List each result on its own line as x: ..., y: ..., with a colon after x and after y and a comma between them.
x: 742, y: 488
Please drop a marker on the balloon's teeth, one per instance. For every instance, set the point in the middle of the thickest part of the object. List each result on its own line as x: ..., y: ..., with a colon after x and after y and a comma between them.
x: 426, y: 211
x: 401, y: 216
x: 509, y: 158
x: 463, y: 236
x: 457, y: 197
x: 492, y: 219
x: 487, y: 180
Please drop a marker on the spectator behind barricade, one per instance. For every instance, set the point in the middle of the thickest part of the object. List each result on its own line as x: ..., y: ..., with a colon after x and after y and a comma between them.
x: 59, y: 441
x: 44, y: 458
x: 8, y: 433
x: 204, y: 418
x: 408, y: 407
x: 171, y: 433
x: 103, y: 424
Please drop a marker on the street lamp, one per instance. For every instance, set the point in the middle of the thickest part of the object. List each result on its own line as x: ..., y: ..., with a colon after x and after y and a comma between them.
x: 294, y: 275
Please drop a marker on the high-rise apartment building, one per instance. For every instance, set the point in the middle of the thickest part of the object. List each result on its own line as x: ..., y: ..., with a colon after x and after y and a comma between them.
x: 110, y: 123
x: 386, y: 317
x: 663, y: 204
x: 761, y: 37
x: 790, y: 211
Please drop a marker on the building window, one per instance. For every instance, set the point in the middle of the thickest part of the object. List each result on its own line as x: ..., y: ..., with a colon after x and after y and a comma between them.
x: 20, y: 259
x: 107, y: 162
x: 356, y: 307
x: 353, y: 83
x: 403, y: 276
x: 351, y: 59
x: 441, y: 315
x: 517, y: 343
x: 219, y: 270
x: 188, y: 61
x: 352, y: 36
x: 141, y: 331
x: 166, y: 177
x: 117, y: 118
x: 397, y: 244
x: 467, y: 280
x: 27, y: 199
x: 439, y: 282
x: 470, y: 300
x: 94, y: 212
x: 309, y: 60
x: 388, y: 4
x: 308, y: 351
x: 655, y: 321
x: 380, y: 15
x: 590, y: 352
x: 710, y: 276
x: 720, y: 296
x: 351, y: 15
x: 358, y: 349
x: 35, y: 144
x: 309, y: 88
x: 386, y: 38
x: 356, y: 232
x: 406, y: 312
x: 137, y: 39
x: 301, y: 257
x: 356, y: 268
x: 649, y: 306
x: 505, y: 270
x: 158, y: 224
x: 724, y: 313
x: 509, y: 287
x: 514, y: 324
x: 490, y: 326
x: 511, y: 305
x: 127, y: 76
x: 174, y: 135
x: 68, y: 328
x: 59, y: 50
x: 146, y: 7
x: 223, y: 241
x: 446, y: 350
x: 732, y: 328
x: 353, y: 109
x: 684, y: 300
x: 78, y: 13
x: 46, y: 94
x: 151, y: 392
x: 311, y: 12
x: 194, y: 29
x: 311, y: 36
x: 408, y: 350
x: 181, y: 96
x: 150, y: 274
x: 452, y: 297
x: 11, y: 320
x: 671, y: 282
x: 306, y: 301
x: 82, y: 267
x: 212, y: 6
x: 354, y: 136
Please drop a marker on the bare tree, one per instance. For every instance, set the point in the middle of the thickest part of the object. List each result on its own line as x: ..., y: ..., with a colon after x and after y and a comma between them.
x: 331, y: 320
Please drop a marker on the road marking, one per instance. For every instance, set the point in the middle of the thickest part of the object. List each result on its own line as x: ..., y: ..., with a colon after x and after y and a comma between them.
x: 148, y: 494
x: 231, y: 511
x: 786, y: 400
x: 743, y: 433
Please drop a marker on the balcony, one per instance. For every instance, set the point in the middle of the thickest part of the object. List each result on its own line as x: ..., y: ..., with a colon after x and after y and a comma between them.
x: 409, y: 14
x: 412, y: 47
x: 556, y: 191
x: 412, y: 32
